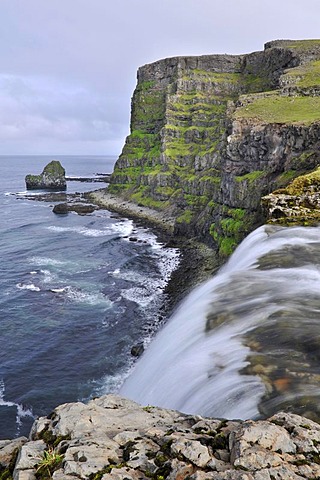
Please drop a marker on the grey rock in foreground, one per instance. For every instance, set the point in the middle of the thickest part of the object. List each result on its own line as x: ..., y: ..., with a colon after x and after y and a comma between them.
x: 115, y: 438
x: 53, y: 177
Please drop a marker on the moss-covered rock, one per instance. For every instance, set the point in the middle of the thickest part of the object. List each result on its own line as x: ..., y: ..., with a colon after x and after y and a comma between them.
x: 297, y: 204
x: 53, y: 177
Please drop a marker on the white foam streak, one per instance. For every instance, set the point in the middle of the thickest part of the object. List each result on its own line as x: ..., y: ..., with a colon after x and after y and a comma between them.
x: 120, y: 228
x: 22, y: 411
x: 28, y: 286
x: 89, y: 298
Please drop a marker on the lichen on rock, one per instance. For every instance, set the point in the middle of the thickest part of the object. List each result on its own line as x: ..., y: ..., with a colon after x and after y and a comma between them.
x: 298, y: 203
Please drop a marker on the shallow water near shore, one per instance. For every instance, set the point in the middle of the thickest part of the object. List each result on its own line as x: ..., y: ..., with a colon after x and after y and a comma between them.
x: 76, y: 293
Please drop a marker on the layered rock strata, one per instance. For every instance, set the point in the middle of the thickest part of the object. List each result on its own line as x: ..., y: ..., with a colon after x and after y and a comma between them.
x: 211, y: 135
x: 53, y: 177
x: 114, y: 438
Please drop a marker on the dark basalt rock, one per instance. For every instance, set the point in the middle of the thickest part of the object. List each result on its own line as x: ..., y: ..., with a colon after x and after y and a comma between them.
x: 137, y: 350
x: 79, y: 208
x: 82, y: 209
x: 61, y: 209
x: 53, y: 177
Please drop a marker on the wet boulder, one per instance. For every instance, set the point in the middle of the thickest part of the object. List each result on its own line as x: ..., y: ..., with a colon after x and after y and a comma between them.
x: 60, y: 209
x: 137, y: 350
x: 53, y: 177
x: 79, y: 208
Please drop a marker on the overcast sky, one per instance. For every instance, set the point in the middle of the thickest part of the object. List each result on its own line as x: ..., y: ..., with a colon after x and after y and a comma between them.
x: 68, y: 67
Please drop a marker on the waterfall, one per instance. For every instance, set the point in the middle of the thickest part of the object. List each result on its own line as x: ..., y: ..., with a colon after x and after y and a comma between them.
x: 246, y: 342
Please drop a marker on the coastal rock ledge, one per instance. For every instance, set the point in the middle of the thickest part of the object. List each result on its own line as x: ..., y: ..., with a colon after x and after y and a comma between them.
x: 115, y: 438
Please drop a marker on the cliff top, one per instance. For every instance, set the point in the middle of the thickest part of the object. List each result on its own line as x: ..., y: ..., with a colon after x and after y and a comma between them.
x: 118, y: 439
x: 310, y: 47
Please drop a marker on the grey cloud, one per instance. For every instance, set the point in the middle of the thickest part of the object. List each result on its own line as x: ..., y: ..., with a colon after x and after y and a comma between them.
x: 68, y: 68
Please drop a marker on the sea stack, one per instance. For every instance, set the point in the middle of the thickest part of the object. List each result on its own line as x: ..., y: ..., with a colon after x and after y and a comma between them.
x: 53, y: 177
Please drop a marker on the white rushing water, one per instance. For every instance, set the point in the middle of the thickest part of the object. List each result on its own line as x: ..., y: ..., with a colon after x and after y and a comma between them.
x: 194, y: 369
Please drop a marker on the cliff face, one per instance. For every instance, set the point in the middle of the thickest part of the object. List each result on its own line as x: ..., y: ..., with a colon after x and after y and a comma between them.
x: 212, y: 134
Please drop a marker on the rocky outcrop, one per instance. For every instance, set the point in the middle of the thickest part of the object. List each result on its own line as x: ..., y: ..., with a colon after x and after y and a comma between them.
x: 298, y: 203
x: 211, y: 135
x: 115, y: 438
x: 79, y: 208
x: 53, y: 177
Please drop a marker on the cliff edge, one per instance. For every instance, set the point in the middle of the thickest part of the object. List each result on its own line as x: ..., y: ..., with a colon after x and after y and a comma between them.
x: 211, y: 135
x: 114, y: 438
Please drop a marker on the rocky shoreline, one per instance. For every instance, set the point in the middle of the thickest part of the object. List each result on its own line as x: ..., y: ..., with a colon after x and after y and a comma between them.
x: 115, y: 203
x: 198, y: 261
x: 117, y: 439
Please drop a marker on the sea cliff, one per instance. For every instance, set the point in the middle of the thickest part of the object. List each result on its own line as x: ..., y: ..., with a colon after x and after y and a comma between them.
x: 211, y: 135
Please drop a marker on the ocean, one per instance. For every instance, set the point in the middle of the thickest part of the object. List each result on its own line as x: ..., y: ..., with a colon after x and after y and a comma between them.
x: 76, y: 294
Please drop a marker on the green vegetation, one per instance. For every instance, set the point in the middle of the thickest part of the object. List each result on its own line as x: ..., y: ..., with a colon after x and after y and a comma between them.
x: 306, y: 75
x: 108, y: 469
x: 140, y: 145
x: 50, y: 462
x: 227, y: 246
x: 284, y: 178
x: 116, y: 188
x: 301, y: 44
x: 251, y: 177
x: 213, y: 77
x: 145, y: 86
x: 254, y: 83
x: 186, y: 217
x: 148, y: 110
x: 305, y: 161
x: 165, y: 191
x: 143, y: 197
x: 230, y: 228
x: 177, y: 132
x: 196, y: 201
x: 303, y: 184
x: 54, y: 168
x: 281, y: 109
x: 33, y: 179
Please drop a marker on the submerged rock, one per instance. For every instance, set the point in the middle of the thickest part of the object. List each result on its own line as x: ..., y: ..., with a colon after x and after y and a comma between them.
x: 53, y: 177
x: 115, y: 438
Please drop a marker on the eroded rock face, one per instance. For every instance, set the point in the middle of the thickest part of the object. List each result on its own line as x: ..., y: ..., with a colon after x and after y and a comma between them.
x: 211, y: 135
x: 53, y: 177
x: 115, y: 438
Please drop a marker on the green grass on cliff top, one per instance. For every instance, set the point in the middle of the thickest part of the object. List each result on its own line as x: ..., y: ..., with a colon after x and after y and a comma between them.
x: 280, y: 109
x: 301, y: 44
x: 307, y: 75
x: 304, y: 183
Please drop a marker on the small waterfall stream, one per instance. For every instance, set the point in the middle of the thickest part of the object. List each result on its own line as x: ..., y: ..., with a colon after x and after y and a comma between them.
x: 247, y: 342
